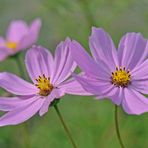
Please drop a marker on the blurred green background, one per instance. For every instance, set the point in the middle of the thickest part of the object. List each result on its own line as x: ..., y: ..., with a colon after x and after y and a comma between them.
x: 91, y: 122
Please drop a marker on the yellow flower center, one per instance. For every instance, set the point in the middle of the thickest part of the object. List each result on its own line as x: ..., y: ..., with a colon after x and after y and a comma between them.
x: 121, y: 77
x: 44, y: 85
x: 11, y: 45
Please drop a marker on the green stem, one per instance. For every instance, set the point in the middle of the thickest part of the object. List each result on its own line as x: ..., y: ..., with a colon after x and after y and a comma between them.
x: 25, y: 125
x: 19, y: 65
x: 117, y: 127
x: 64, y: 125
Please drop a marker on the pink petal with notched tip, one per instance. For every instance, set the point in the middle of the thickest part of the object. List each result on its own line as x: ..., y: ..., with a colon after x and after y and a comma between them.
x: 86, y: 63
x: 31, y: 37
x: 134, y: 102
x: 102, y: 48
x: 39, y: 61
x: 16, y: 31
x: 63, y: 63
x: 133, y: 50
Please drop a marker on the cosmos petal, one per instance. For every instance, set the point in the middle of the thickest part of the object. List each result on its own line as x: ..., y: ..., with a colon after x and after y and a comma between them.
x: 115, y: 95
x: 118, y: 95
x: 16, y: 85
x: 140, y: 72
x: 2, y: 42
x: 16, y: 31
x: 140, y: 78
x: 11, y: 103
x: 4, y: 53
x: 55, y: 94
x: 36, y: 25
x: 21, y: 114
x: 102, y: 47
x: 73, y: 87
x: 38, y: 61
x: 64, y: 65
x: 32, y: 35
x: 96, y: 87
x: 134, y: 103
x: 86, y: 63
x: 133, y: 50
x: 126, y: 107
x: 140, y: 86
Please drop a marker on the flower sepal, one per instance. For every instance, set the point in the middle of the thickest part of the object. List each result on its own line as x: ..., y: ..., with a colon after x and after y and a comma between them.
x: 54, y: 102
x: 14, y: 56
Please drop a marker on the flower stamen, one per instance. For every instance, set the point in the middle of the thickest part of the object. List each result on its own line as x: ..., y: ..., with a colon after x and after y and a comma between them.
x: 11, y: 45
x: 121, y: 77
x: 44, y: 85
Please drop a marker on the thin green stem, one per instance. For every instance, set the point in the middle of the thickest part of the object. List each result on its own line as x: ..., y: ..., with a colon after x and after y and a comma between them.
x: 20, y: 68
x: 117, y: 127
x: 25, y: 125
x: 64, y: 125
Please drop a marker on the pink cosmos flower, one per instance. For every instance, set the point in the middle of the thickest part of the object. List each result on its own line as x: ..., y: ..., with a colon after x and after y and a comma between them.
x: 51, y: 80
x: 18, y: 37
x: 119, y: 75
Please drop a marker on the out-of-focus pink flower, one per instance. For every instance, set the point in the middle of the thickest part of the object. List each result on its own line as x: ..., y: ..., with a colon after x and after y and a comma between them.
x: 19, y: 36
x: 51, y: 80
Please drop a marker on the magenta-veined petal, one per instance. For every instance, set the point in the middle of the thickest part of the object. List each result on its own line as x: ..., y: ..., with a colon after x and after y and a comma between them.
x: 21, y: 114
x: 64, y: 65
x: 115, y: 94
x: 39, y: 61
x: 16, y: 31
x: 16, y: 85
x: 102, y: 47
x: 73, y: 87
x: 11, y: 103
x: 118, y: 95
x: 140, y: 72
x: 134, y: 103
x: 96, y: 87
x: 87, y: 64
x: 140, y: 77
x: 140, y: 86
x: 111, y: 92
x: 101, y: 89
x: 133, y: 50
x: 125, y: 106
x: 55, y: 94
